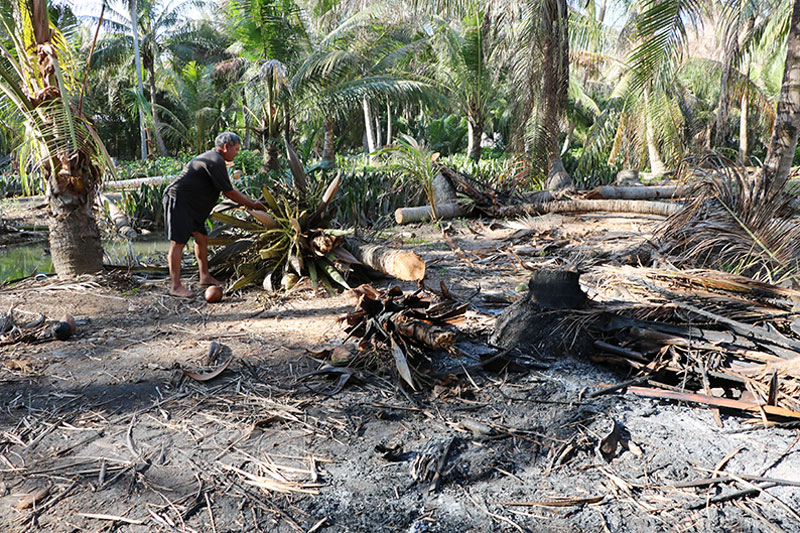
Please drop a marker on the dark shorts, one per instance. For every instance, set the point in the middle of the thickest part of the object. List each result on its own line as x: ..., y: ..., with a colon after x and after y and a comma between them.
x: 179, y: 223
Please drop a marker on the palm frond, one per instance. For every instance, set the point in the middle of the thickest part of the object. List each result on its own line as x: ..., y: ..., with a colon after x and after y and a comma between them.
x: 725, y: 226
x: 661, y: 30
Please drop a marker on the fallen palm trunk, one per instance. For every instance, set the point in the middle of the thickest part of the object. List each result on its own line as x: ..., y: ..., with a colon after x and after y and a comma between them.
x: 137, y: 182
x: 615, y: 192
x: 447, y: 206
x: 118, y: 217
x: 409, y: 215
x: 400, y: 264
x: 641, y: 207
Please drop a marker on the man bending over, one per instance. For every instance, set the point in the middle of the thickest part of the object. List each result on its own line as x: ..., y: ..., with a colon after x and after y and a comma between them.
x: 188, y: 202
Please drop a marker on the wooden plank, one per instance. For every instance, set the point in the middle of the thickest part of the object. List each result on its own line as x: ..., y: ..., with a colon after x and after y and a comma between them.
x: 716, y: 402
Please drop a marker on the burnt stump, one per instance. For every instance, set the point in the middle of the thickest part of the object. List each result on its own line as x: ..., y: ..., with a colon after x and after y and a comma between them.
x: 543, y: 322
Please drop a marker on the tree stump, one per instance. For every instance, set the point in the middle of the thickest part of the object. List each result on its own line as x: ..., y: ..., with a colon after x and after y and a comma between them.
x: 542, y: 323
x: 627, y: 178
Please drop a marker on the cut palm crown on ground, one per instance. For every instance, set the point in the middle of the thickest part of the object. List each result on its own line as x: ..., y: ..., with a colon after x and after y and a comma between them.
x: 291, y: 240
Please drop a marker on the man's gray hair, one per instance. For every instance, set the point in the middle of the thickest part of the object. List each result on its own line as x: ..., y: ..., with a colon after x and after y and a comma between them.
x: 227, y: 137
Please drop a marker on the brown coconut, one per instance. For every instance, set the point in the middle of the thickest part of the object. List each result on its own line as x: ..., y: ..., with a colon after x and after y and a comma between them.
x: 213, y: 294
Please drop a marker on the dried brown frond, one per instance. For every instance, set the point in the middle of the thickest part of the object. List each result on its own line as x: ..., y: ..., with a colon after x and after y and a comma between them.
x: 703, y: 324
x: 726, y: 226
x: 229, y: 70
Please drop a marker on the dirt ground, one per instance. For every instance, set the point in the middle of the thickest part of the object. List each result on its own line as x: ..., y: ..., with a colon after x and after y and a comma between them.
x: 106, y: 433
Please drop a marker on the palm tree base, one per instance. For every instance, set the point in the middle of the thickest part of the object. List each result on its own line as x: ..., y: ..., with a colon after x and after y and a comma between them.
x: 75, y: 245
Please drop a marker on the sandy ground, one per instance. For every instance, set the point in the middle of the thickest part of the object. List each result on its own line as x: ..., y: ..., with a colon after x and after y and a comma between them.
x: 110, y: 434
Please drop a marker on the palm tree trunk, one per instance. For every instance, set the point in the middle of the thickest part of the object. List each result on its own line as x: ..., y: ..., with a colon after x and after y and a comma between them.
x: 328, y: 148
x: 601, y: 16
x: 162, y: 148
x: 555, y: 81
x: 644, y: 207
x: 744, y: 142
x: 780, y: 153
x: 721, y: 121
x: 368, y: 126
x: 378, y: 140
x: 246, y: 140
x: 657, y: 167
x: 138, y: 60
x: 75, y: 245
x: 474, y: 134
x: 388, y: 122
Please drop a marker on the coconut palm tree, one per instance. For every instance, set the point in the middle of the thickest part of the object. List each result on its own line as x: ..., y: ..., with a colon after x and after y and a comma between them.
x: 133, y: 6
x: 780, y: 152
x: 199, y: 107
x: 161, y: 26
x: 662, y: 29
x: 36, y: 83
x: 324, y: 78
x: 362, y: 64
x: 542, y: 72
x: 468, y: 67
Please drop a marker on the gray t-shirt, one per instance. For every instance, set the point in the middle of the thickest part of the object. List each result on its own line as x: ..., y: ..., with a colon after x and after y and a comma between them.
x: 199, y: 184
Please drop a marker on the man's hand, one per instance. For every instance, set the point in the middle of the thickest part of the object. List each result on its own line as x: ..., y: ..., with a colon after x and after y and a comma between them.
x: 244, y: 200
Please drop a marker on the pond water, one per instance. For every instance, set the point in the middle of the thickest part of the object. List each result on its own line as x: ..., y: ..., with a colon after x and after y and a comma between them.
x: 22, y: 260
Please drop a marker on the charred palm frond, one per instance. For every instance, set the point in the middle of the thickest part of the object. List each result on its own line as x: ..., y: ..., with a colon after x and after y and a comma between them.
x: 706, y: 328
x: 400, y: 330
x: 724, y: 226
x: 291, y: 240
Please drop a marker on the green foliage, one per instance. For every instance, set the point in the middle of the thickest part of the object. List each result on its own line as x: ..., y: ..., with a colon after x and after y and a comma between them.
x: 253, y: 184
x: 495, y: 167
x: 289, y: 241
x: 368, y: 197
x: 268, y: 28
x: 588, y: 177
x: 144, y: 206
x: 248, y: 161
x: 11, y: 184
x: 413, y: 160
x: 161, y: 166
x: 199, y: 108
x: 447, y: 135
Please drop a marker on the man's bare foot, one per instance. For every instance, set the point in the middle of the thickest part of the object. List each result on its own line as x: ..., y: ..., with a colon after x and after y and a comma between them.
x: 206, y: 281
x: 181, y: 292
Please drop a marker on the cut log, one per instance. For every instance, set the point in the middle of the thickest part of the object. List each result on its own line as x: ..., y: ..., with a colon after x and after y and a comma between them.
x: 400, y: 264
x: 428, y: 334
x: 612, y: 192
x: 577, y: 206
x: 137, y: 182
x: 118, y: 217
x: 409, y: 215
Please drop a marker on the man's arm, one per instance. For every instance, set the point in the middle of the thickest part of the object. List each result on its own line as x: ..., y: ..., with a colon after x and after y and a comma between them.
x: 241, y: 199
